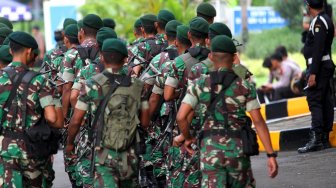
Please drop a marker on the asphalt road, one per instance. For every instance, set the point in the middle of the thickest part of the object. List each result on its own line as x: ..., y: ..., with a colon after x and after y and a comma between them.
x: 314, y: 170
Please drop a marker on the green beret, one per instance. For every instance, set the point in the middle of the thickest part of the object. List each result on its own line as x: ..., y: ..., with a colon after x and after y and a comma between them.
x: 182, y: 32
x: 105, y: 33
x: 148, y: 19
x: 93, y: 21
x: 36, y: 51
x: 71, y: 31
x: 137, y: 23
x: 5, y: 31
x: 3, y: 25
x: 80, y: 24
x: 165, y: 16
x: 23, y: 39
x: 223, y: 44
x: 68, y: 21
x: 219, y: 29
x: 114, y: 45
x: 6, y: 41
x: 171, y: 27
x: 6, y: 22
x: 5, y: 56
x: 108, y: 22
x: 199, y: 24
x: 206, y: 9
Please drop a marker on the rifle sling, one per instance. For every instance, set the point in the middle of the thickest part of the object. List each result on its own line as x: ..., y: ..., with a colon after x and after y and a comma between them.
x: 16, y: 81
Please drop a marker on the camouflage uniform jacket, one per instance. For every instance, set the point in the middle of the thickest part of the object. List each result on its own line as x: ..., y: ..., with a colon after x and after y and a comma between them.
x: 240, y: 97
x: 39, y: 96
x: 156, y: 63
x: 161, y: 40
x: 72, y: 63
x: 144, y: 52
x: 91, y: 94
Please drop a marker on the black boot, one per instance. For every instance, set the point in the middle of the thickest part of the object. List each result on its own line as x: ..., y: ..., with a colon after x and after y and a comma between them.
x: 314, y: 144
x: 325, y: 140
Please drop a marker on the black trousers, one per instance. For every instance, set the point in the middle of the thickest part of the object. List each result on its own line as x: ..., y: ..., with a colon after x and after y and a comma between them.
x: 321, y: 102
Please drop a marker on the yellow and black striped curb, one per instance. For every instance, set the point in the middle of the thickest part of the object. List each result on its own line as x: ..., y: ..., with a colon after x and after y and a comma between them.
x: 292, y: 139
x: 285, y: 108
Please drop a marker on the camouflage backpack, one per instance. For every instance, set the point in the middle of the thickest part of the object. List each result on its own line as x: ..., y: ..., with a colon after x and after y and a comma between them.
x: 118, y: 112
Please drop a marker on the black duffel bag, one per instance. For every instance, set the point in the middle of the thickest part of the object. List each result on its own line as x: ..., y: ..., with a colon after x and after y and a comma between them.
x: 42, y: 140
x: 249, y: 139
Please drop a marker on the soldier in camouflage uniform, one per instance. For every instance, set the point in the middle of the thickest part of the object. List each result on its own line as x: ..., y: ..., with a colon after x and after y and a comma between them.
x: 109, y: 172
x: 19, y: 169
x: 156, y: 159
x: 84, y: 146
x: 137, y: 33
x: 54, y: 56
x: 88, y: 31
x: 163, y: 17
x: 182, y: 173
x: 71, y: 42
x: 141, y: 54
x: 223, y: 163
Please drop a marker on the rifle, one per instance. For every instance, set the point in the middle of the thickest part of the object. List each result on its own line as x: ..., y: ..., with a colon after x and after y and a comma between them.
x: 46, y: 68
x: 169, y: 129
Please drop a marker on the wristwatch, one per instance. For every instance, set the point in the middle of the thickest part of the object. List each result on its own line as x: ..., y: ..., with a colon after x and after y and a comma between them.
x: 275, y: 155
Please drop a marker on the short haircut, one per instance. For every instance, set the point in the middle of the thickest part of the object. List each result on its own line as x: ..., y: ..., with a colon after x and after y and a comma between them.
x: 162, y: 25
x: 72, y: 40
x: 281, y: 50
x: 113, y: 58
x: 276, y: 56
x: 267, y: 63
x: 171, y: 37
x: 198, y: 35
x: 4, y: 62
x: 88, y: 31
x: 15, y: 47
x: 137, y: 30
x: 36, y: 27
x: 150, y: 29
x: 184, y: 41
x: 222, y: 56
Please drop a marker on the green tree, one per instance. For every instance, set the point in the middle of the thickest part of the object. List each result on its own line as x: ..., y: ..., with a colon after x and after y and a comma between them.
x: 125, y: 12
x: 292, y: 10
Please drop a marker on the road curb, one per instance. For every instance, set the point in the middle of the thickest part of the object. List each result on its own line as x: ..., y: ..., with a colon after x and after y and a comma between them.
x: 285, y: 108
x: 292, y: 139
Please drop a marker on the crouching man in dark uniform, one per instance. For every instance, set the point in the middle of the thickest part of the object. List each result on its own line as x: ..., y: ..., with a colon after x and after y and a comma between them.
x: 320, y: 69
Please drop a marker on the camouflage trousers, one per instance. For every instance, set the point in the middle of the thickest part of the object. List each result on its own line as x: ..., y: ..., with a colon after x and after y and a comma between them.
x: 70, y: 161
x: 16, y: 172
x: 155, y: 159
x: 183, y: 168
x: 116, y: 169
x: 48, y: 174
x: 83, y: 166
x: 226, y: 172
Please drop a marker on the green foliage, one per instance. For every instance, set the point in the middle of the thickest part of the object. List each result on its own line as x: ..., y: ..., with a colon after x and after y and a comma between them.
x: 125, y: 12
x: 263, y: 44
x: 292, y: 10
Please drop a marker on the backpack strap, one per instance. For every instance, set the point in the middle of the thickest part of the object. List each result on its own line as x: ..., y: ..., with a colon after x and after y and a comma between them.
x: 225, y: 78
x: 115, y: 81
x: 172, y: 53
x: 26, y: 80
x: 16, y: 81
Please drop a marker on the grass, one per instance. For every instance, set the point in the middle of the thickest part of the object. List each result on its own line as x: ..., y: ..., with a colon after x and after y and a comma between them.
x: 261, y: 74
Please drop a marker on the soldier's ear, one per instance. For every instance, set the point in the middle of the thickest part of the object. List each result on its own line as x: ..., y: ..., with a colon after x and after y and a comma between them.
x: 165, y: 37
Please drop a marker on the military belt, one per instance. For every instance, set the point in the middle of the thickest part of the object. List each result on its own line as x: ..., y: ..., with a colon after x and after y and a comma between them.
x: 220, y: 132
x: 324, y: 58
